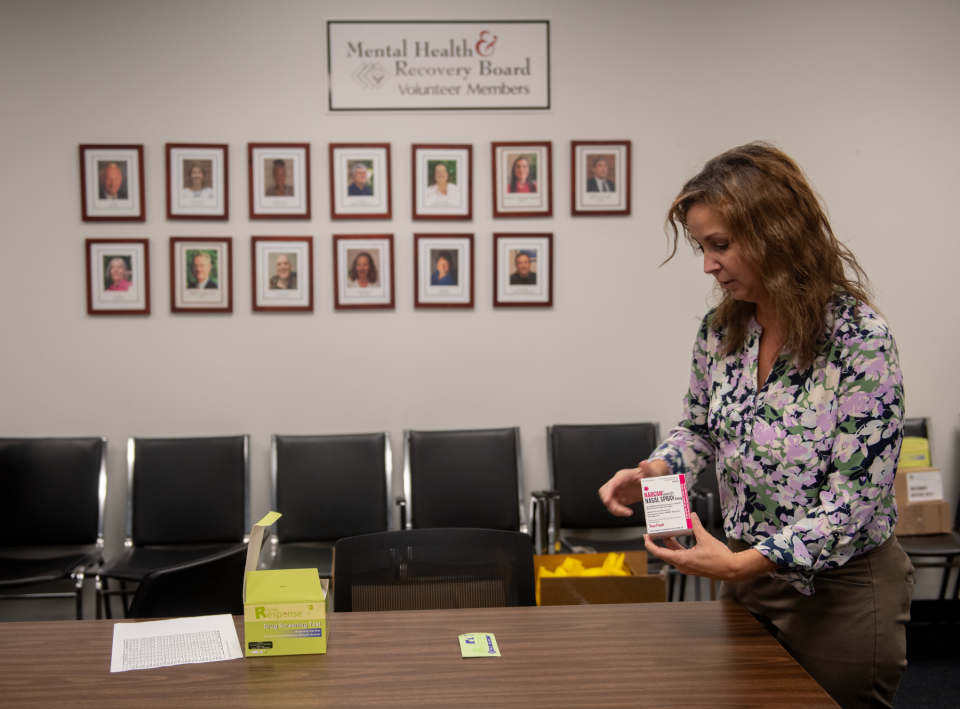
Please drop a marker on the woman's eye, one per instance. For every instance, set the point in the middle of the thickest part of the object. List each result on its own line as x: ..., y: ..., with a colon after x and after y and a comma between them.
x: 721, y: 246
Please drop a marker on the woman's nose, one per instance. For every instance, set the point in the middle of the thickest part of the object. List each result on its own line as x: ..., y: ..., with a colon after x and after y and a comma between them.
x: 709, y: 264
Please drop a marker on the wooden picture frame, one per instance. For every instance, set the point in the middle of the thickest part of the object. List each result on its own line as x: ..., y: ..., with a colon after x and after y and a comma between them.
x: 196, y: 287
x: 522, y: 179
x: 360, y: 181
x: 600, y: 178
x: 118, y: 276
x: 445, y: 194
x: 523, y: 285
x: 361, y: 262
x: 111, y: 183
x: 282, y: 273
x: 278, y: 180
x: 443, y: 270
x: 197, y: 181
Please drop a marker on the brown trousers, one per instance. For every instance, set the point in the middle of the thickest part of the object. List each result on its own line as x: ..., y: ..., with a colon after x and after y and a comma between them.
x: 849, y: 635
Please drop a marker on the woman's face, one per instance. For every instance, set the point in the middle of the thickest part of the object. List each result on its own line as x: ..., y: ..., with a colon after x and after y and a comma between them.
x: 440, y: 174
x: 443, y: 267
x: 196, y: 177
x: 362, y: 267
x: 521, y: 170
x: 117, y: 270
x: 721, y: 257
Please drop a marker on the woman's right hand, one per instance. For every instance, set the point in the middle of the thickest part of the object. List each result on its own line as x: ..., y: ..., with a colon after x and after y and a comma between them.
x: 626, y: 487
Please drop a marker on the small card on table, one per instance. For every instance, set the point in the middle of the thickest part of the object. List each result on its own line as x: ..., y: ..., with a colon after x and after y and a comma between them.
x: 479, y: 645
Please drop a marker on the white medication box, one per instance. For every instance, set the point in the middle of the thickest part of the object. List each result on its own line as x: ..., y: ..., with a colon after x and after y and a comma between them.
x: 666, y: 506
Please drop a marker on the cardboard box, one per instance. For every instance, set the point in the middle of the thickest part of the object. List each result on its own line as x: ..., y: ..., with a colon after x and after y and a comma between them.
x: 918, y: 485
x: 921, y: 508
x: 923, y: 518
x: 590, y: 590
x: 284, y: 611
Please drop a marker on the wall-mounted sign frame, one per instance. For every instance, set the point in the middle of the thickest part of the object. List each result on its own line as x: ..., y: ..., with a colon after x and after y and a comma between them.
x: 495, y: 65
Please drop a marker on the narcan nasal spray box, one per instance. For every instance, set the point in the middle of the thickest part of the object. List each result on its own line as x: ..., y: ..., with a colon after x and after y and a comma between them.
x: 666, y: 506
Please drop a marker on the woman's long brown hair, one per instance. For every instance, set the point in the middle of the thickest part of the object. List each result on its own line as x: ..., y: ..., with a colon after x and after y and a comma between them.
x: 781, y: 228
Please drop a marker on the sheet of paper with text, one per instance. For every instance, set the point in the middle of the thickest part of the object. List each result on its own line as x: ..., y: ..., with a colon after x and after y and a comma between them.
x: 181, y: 641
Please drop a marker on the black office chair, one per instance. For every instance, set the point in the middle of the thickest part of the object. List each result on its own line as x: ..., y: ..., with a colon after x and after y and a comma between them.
x: 929, y: 546
x: 580, y: 459
x: 208, y: 586
x: 327, y: 488
x: 52, y: 493
x: 187, y: 498
x: 429, y: 569
x: 462, y: 479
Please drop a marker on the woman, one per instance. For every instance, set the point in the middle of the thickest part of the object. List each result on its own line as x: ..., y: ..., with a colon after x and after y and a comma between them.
x: 118, y: 275
x: 362, y: 273
x: 443, y: 276
x: 442, y: 191
x: 796, y: 392
x: 196, y: 190
x: 520, y: 176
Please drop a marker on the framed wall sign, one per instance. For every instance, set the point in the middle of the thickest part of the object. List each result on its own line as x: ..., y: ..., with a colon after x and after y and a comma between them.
x: 600, y: 177
x: 443, y: 270
x: 282, y: 273
x: 443, y: 181
x: 522, y: 179
x: 111, y: 183
x: 279, y: 180
x: 490, y: 65
x: 201, y: 274
x: 363, y: 271
x: 118, y: 276
x: 360, y: 181
x: 197, y: 181
x: 523, y: 270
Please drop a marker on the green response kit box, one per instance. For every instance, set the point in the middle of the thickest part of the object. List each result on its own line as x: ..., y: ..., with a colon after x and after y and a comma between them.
x: 284, y: 611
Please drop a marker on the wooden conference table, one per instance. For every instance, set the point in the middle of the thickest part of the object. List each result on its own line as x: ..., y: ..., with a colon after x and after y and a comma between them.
x: 708, y: 654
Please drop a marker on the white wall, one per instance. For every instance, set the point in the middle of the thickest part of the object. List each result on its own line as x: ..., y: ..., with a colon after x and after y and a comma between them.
x: 863, y: 94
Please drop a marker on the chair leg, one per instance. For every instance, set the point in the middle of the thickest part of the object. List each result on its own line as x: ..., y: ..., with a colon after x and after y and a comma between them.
x: 124, y: 603
x: 713, y: 590
x: 107, y: 609
x: 670, y: 580
x: 946, y: 580
x: 683, y: 587
x: 79, y: 594
x: 98, y: 588
x: 956, y: 587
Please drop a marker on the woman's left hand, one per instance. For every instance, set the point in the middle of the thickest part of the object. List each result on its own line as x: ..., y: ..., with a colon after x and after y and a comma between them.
x: 710, y: 557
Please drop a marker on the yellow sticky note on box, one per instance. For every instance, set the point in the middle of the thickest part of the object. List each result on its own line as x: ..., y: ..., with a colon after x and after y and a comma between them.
x: 914, y: 452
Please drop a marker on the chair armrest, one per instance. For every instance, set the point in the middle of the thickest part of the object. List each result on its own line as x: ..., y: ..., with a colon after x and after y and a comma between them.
x: 401, y: 502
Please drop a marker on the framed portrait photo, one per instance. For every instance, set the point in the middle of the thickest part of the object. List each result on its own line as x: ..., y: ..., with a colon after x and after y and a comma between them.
x: 197, y: 181
x: 442, y: 181
x: 201, y: 274
x: 363, y: 271
x: 360, y: 181
x: 111, y: 183
x: 443, y: 270
x: 282, y: 273
x: 600, y: 179
x: 279, y: 180
x: 118, y: 276
x: 523, y: 270
x: 522, y: 179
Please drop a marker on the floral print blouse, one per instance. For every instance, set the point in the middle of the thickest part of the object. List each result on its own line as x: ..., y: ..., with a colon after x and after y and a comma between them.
x: 805, y: 464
